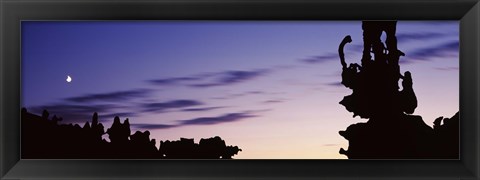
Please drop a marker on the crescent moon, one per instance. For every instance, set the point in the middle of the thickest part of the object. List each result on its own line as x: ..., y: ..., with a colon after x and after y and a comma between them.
x: 69, y: 79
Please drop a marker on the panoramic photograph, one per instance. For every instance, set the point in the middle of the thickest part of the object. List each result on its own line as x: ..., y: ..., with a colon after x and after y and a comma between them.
x: 240, y: 90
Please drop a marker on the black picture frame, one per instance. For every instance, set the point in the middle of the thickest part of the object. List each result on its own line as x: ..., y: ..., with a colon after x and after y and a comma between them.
x: 14, y: 11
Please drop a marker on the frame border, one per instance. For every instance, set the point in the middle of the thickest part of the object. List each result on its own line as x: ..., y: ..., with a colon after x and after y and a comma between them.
x: 14, y: 11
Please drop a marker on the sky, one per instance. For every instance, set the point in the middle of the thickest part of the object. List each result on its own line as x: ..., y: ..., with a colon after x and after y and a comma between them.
x: 270, y: 87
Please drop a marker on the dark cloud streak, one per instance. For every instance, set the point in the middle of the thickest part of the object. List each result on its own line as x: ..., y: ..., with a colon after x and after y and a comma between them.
x: 273, y: 101
x: 231, y: 96
x: 448, y: 69
x: 111, y: 96
x: 163, y: 106
x: 335, y: 84
x: 225, y: 118
x: 202, y: 109
x: 232, y: 77
x: 206, y: 80
x: 448, y: 49
x: 331, y: 144
x: 175, y: 80
x: 321, y: 58
x: 153, y: 126
x: 121, y: 115
x: 217, y: 120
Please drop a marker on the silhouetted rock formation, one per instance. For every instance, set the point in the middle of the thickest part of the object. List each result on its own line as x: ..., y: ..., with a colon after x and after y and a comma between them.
x: 44, y: 138
x: 390, y: 131
x: 211, y: 148
x: 119, y: 133
x: 447, y: 135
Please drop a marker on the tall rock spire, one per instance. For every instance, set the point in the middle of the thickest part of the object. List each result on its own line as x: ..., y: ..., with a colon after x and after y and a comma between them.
x: 390, y: 132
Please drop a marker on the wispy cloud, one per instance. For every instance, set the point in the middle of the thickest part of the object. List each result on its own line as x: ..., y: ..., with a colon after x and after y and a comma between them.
x: 336, y: 84
x: 205, y: 80
x: 320, y: 58
x: 163, y: 106
x: 331, y: 144
x: 122, y: 115
x: 447, y: 49
x: 231, y: 117
x: 405, y: 61
x: 152, y: 126
x: 111, y: 96
x: 225, y: 118
x: 178, y: 80
x: 231, y: 96
x: 202, y: 109
x: 333, y: 56
x: 448, y: 68
x: 273, y: 101
x: 232, y: 77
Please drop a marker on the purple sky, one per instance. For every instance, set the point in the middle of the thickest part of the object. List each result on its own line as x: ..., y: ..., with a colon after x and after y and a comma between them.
x: 272, y: 88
